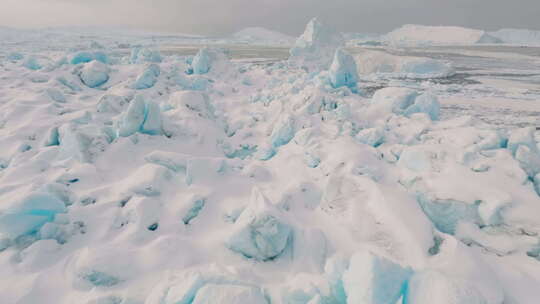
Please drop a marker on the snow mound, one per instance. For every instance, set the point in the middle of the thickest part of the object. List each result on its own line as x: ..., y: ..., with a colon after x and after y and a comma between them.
x: 411, y: 34
x: 94, y: 74
x: 259, y: 35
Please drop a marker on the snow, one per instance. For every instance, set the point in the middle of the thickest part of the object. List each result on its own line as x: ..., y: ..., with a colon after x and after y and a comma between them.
x: 336, y: 176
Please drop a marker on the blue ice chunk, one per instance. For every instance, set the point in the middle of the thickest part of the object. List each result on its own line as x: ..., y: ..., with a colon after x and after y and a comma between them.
x: 15, y: 56
x: 522, y: 136
x: 94, y: 74
x: 152, y: 120
x: 101, y: 57
x: 372, y: 136
x: 311, y: 160
x: 30, y: 214
x: 447, y: 214
x: 425, y: 103
x: 53, y: 139
x: 141, y: 55
x: 374, y: 279
x: 141, y: 116
x: 202, y: 62
x: 266, y: 152
x: 343, y: 71
x: 133, y: 118
x: 259, y: 233
x: 32, y: 63
x: 148, y: 78
x: 283, y: 131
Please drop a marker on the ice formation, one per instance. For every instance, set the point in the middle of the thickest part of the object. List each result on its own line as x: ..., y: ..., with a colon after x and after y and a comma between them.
x: 128, y: 176
x: 315, y: 48
x: 343, y: 71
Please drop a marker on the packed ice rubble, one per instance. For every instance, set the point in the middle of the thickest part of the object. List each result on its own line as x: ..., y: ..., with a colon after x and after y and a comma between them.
x: 156, y: 179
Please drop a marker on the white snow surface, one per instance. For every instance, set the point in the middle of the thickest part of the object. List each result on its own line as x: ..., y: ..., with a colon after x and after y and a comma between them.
x: 253, y: 183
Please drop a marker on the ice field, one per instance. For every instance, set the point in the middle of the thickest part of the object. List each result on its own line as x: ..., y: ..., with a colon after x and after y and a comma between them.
x: 157, y: 168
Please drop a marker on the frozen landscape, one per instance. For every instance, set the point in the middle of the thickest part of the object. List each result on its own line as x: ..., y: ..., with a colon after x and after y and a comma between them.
x: 259, y: 168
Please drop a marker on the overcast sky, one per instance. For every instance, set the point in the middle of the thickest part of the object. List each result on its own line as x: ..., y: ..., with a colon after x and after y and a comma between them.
x: 288, y: 16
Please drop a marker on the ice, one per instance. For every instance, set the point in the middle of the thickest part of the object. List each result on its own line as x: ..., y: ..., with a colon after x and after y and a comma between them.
x: 405, y: 102
x: 196, y: 205
x: 371, y: 136
x: 283, y: 131
x: 113, y: 104
x: 374, y: 279
x: 447, y: 214
x: 84, y: 57
x: 173, y: 161
x: 32, y: 63
x: 56, y: 95
x: 411, y: 34
x: 28, y: 215
x: 94, y: 74
x: 315, y: 48
x: 142, y: 55
x: 195, y: 101
x: 15, y: 56
x: 141, y: 116
x: 528, y: 159
x: 230, y: 294
x: 517, y: 36
x: 202, y: 62
x: 148, y: 78
x: 522, y: 136
x: 259, y: 233
x: 343, y: 70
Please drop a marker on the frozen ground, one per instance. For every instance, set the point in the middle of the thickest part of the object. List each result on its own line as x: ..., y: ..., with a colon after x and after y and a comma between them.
x: 147, y: 169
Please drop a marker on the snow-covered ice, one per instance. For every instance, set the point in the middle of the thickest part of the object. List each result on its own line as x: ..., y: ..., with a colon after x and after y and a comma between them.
x: 134, y: 174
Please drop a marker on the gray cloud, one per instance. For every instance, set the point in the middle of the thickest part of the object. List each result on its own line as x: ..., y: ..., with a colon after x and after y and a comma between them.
x: 289, y: 16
